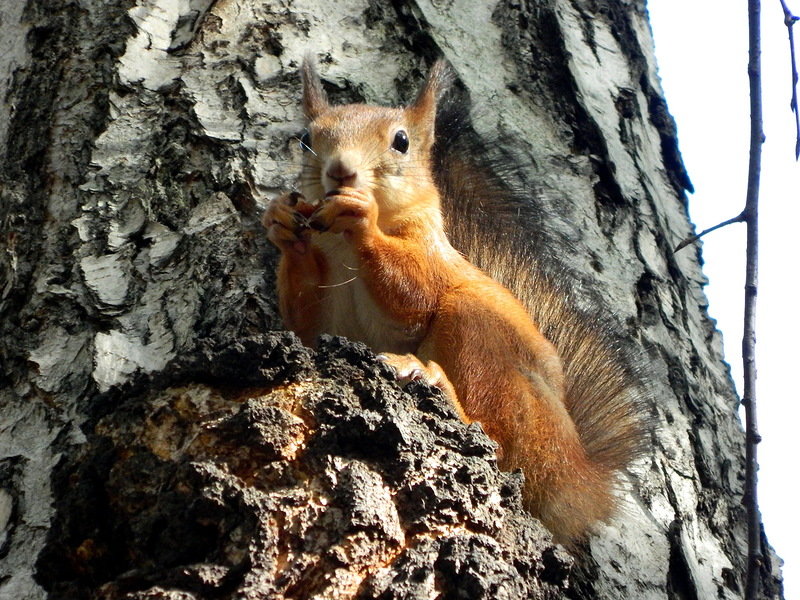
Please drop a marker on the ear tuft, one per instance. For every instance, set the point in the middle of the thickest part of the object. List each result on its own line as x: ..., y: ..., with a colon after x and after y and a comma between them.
x: 315, y: 101
x: 422, y: 111
x: 438, y: 81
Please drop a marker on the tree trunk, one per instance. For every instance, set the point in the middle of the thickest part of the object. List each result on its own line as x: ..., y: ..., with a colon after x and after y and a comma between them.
x: 161, y: 438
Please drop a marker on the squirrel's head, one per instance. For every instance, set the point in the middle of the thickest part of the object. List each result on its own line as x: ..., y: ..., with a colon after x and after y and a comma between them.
x: 385, y: 150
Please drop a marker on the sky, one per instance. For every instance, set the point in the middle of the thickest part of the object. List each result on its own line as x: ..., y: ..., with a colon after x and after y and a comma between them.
x: 701, y: 49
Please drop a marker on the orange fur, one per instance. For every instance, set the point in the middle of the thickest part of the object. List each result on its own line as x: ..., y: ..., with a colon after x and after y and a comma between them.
x: 373, y: 263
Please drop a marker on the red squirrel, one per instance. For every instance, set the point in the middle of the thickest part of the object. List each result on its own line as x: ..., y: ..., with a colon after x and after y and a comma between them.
x: 364, y: 254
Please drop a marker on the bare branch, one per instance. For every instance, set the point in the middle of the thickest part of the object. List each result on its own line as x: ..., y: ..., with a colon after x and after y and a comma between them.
x: 789, y: 19
x: 754, y: 554
x: 740, y: 218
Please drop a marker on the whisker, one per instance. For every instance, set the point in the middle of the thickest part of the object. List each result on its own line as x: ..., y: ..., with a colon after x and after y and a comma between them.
x: 334, y: 285
x: 305, y: 146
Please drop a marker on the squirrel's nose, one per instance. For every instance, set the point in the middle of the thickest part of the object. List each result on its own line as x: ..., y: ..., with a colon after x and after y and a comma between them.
x: 343, y: 172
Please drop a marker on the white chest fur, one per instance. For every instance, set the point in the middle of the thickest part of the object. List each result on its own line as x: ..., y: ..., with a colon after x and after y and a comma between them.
x: 350, y: 309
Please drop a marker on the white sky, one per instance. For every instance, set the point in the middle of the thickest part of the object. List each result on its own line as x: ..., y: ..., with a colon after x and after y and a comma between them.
x: 702, y: 54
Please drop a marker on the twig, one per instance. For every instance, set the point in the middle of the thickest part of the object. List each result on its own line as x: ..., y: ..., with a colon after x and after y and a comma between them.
x: 754, y: 556
x: 691, y: 240
x: 789, y: 19
x: 750, y: 216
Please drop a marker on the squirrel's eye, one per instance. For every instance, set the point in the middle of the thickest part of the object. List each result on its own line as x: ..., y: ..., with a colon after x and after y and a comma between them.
x: 400, y: 142
x: 305, y: 141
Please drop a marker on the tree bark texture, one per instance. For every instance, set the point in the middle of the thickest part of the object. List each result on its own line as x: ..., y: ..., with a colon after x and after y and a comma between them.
x: 162, y: 438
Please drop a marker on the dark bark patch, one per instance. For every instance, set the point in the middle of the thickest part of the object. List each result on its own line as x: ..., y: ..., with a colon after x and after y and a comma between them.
x: 263, y: 469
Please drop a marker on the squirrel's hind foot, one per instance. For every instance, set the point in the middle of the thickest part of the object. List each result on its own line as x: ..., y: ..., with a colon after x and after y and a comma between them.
x: 409, y: 368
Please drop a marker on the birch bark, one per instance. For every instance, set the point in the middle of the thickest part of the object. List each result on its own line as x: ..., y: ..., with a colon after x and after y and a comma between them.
x: 161, y: 439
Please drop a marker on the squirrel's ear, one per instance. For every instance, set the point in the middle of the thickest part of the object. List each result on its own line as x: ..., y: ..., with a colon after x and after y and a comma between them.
x: 315, y: 101
x: 436, y: 84
x: 423, y: 109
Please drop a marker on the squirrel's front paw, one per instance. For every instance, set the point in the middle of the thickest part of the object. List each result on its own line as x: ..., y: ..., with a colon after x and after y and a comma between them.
x: 286, y: 221
x: 346, y: 210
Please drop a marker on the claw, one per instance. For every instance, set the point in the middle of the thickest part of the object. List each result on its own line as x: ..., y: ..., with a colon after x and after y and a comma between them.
x: 317, y: 225
x: 416, y: 375
x: 300, y: 220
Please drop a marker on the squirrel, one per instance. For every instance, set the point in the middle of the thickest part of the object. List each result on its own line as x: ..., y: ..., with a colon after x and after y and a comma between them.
x: 365, y: 253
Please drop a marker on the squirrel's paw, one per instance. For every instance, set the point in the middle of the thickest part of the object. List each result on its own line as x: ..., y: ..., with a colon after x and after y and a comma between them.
x: 286, y: 221
x: 409, y: 368
x: 347, y: 210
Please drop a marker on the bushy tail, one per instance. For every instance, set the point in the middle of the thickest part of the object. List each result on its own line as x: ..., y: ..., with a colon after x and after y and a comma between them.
x: 499, y: 231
